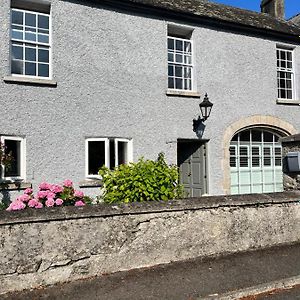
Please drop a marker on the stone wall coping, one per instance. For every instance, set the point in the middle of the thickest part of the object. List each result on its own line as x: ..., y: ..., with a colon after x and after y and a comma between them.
x: 106, y: 210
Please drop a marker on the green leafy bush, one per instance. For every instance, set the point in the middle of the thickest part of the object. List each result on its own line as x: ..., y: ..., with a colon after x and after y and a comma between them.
x: 146, y: 180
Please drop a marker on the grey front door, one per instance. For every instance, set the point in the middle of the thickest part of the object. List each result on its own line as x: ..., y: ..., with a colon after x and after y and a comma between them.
x: 192, y: 167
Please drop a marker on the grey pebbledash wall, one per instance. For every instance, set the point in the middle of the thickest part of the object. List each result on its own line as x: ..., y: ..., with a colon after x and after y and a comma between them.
x: 111, y: 72
x: 42, y: 247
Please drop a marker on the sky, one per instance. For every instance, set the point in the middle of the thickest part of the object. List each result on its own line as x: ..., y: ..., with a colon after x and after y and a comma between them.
x: 292, y: 7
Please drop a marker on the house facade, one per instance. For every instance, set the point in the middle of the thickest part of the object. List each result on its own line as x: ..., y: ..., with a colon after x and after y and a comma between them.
x: 87, y: 83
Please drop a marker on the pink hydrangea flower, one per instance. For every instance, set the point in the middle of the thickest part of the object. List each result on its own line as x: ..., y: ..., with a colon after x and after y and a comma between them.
x: 79, y: 203
x: 50, y: 202
x: 33, y: 203
x: 24, y: 198
x: 50, y: 195
x: 16, y: 205
x: 28, y: 191
x: 44, y: 186
x: 59, y: 202
x: 68, y: 183
x: 55, y: 188
x: 39, y: 205
x: 78, y: 194
x: 42, y: 194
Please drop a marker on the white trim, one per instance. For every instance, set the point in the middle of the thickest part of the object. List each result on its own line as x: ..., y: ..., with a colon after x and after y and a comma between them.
x: 22, y: 157
x: 129, y: 150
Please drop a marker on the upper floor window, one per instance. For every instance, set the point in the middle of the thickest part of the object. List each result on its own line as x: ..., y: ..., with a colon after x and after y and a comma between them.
x: 109, y: 152
x: 285, y: 73
x: 15, y: 146
x: 180, y: 63
x: 30, y: 43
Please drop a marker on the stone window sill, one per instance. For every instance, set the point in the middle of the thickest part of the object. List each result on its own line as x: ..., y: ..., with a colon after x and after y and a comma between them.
x: 90, y: 183
x: 288, y: 102
x: 182, y: 93
x: 29, y: 81
x: 13, y: 186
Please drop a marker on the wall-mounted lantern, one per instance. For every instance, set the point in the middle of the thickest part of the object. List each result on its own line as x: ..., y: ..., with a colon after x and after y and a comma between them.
x: 205, y: 109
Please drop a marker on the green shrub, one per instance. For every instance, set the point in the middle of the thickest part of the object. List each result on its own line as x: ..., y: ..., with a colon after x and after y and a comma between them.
x: 146, y: 180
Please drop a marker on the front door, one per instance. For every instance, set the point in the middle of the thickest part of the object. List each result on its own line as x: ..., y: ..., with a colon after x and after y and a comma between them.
x: 191, y: 159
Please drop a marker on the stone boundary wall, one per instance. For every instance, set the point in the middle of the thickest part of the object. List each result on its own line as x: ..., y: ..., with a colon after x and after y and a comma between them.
x: 43, y: 247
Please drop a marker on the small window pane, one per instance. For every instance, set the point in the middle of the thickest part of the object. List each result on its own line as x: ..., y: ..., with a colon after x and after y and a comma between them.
x: 178, y: 58
x: 29, y: 36
x: 268, y: 137
x: 43, y: 70
x: 245, y: 135
x: 170, y: 70
x: 179, y: 83
x: 30, y: 69
x: 178, y: 71
x: 256, y: 136
x: 244, y: 162
x: 43, y: 22
x: 17, y: 17
x: 13, y: 147
x: 278, y: 161
x: 171, y: 83
x: 17, y: 35
x: 171, y: 57
x: 122, y: 153
x: 243, y: 151
x: 17, y: 67
x: 267, y: 161
x: 30, y: 54
x: 17, y: 52
x: 43, y: 55
x: 42, y: 38
x: 171, y: 44
x: 30, y: 19
x: 179, y: 45
x: 96, y: 156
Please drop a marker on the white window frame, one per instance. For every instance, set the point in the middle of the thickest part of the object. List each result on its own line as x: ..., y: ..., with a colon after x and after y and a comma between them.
x: 286, y: 70
x: 34, y: 44
x: 182, y: 64
x: 22, y: 176
x: 106, y: 141
x: 107, y: 152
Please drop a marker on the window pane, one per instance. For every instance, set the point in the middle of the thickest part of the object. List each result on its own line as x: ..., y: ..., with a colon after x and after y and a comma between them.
x: 178, y: 71
x: 13, y: 147
x: 17, y: 52
x: 178, y: 83
x: 17, y: 67
x: 179, y: 58
x: 17, y: 17
x: 18, y: 35
x: 245, y: 135
x: 30, y: 69
x: 96, y: 156
x: 122, y: 153
x: 29, y: 36
x: 42, y: 38
x: 30, y: 19
x: 179, y: 45
x: 171, y: 57
x: 170, y: 44
x: 170, y: 70
x: 43, y: 22
x: 43, y: 70
x: 171, y: 83
x: 30, y: 54
x: 43, y: 55
x: 112, y: 156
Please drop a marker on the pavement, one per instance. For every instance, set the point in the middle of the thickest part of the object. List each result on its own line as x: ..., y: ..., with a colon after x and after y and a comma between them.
x: 239, y: 276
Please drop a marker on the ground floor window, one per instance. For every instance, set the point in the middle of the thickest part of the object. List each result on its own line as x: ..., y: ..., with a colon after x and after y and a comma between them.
x: 255, y: 162
x: 15, y: 146
x: 109, y: 152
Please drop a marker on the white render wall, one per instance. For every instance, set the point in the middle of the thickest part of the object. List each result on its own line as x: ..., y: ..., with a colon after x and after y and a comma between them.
x: 111, y: 73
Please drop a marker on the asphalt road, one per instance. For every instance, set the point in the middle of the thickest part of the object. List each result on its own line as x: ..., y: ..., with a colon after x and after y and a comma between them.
x: 185, y: 280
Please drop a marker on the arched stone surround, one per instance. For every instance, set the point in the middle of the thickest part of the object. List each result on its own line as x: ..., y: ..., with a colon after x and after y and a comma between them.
x: 269, y: 122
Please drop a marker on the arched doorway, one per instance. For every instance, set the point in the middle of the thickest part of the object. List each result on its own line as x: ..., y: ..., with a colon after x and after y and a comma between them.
x: 256, y: 161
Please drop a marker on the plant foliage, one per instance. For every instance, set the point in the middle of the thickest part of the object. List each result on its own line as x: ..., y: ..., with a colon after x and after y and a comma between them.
x: 146, y: 180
